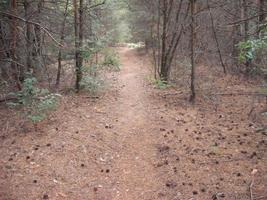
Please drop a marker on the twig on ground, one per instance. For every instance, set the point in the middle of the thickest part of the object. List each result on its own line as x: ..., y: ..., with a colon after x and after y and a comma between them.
x: 254, y: 171
x: 7, y: 128
x: 240, y: 94
x: 8, y: 98
x: 262, y: 197
x: 223, y: 161
x: 251, y: 189
x: 218, y: 195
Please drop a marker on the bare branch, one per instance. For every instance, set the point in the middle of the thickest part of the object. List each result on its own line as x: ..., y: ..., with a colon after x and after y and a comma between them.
x: 34, y: 23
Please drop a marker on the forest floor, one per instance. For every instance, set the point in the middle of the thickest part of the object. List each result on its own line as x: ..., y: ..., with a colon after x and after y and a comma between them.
x: 136, y: 142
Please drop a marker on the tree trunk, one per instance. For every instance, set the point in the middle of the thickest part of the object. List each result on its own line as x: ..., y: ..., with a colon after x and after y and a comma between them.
x: 81, y: 30
x: 244, y: 15
x: 235, y: 34
x: 261, y: 17
x: 216, y: 39
x: 245, y: 29
x: 38, y: 32
x: 13, y: 51
x: 171, y: 35
x: 158, y: 37
x: 62, y: 38
x: 192, y: 46
x: 77, y: 51
x: 29, y: 37
x: 78, y: 26
x: 163, y: 71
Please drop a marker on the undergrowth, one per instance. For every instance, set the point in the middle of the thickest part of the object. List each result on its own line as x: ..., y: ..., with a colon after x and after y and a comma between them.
x: 92, y: 84
x: 35, y: 103
x: 93, y: 80
x: 159, y: 83
x: 111, y: 60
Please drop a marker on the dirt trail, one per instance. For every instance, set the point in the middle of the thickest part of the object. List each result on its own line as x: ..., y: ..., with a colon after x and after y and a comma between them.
x: 137, y: 179
x: 134, y: 142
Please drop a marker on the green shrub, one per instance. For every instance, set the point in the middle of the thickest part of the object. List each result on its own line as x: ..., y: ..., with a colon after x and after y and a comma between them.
x: 161, y: 84
x: 251, y: 47
x: 92, y: 84
x: 111, y: 59
x: 36, y: 103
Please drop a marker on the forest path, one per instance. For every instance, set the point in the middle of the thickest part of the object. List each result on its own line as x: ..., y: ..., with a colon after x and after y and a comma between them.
x: 137, y: 179
x: 133, y: 142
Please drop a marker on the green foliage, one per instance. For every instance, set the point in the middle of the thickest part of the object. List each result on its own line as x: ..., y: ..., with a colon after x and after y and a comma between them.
x: 4, y: 4
x: 92, y: 84
x: 248, y: 49
x: 160, y: 84
x: 116, y: 21
x: 91, y: 81
x: 111, y: 59
x: 3, y: 83
x: 36, y: 103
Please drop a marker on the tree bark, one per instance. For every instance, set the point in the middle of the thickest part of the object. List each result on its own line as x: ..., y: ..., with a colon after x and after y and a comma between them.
x: 163, y: 71
x: 244, y: 15
x: 261, y: 17
x: 171, y: 35
x: 37, y: 29
x: 235, y: 34
x: 245, y: 29
x: 216, y: 39
x: 77, y: 52
x: 78, y: 26
x: 29, y: 37
x: 13, y: 51
x: 158, y: 37
x: 192, y: 46
x: 62, y: 38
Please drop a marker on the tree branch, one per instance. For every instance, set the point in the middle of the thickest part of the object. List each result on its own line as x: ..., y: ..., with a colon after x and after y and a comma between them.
x: 243, y: 20
x: 34, y: 23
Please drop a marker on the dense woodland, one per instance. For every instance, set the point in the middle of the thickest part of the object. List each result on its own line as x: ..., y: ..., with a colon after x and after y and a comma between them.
x: 50, y: 49
x: 35, y: 34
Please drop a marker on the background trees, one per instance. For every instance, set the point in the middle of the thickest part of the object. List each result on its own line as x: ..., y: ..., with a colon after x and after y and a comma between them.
x: 36, y: 34
x: 216, y: 28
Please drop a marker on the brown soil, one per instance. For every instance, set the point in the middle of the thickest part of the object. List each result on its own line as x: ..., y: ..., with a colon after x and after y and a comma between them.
x: 136, y: 142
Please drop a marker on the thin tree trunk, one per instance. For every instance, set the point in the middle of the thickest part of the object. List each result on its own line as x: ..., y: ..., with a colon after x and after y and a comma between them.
x: 236, y: 34
x: 154, y: 46
x: 163, y: 71
x: 243, y: 13
x: 81, y: 30
x: 76, y: 37
x: 261, y: 17
x: 29, y: 37
x: 78, y: 42
x: 62, y: 38
x: 246, y: 25
x: 192, y: 46
x: 13, y: 52
x: 158, y: 37
x: 216, y: 39
x: 244, y: 30
x: 38, y: 32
